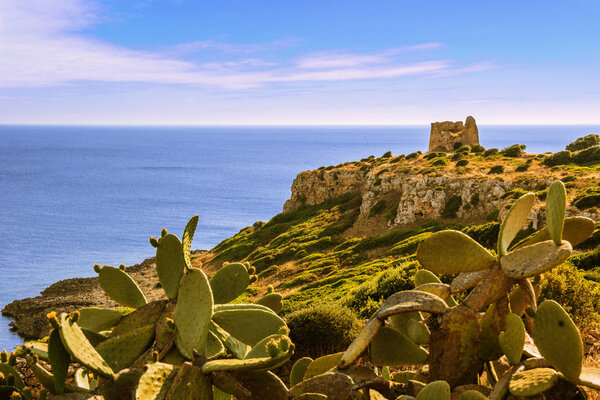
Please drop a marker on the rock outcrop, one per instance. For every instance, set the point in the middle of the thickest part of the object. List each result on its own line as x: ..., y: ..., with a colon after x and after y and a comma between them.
x: 445, y: 134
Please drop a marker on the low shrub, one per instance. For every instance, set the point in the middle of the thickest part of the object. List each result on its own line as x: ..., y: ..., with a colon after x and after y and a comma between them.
x: 561, y: 158
x: 586, y: 261
x: 377, y: 208
x: 457, y: 145
x: 457, y: 156
x: 516, y: 150
x: 477, y: 149
x: 322, y: 329
x: 496, y: 169
x: 391, y: 214
x: 514, y: 194
x: 590, y: 155
x: 416, y: 154
x: 452, y: 205
x: 590, y: 197
x: 439, y: 162
x: 434, y: 154
x: 491, y: 152
x: 486, y: 234
x: 462, y: 163
x: 387, y: 154
x: 580, y: 297
x: 464, y: 149
x: 584, y: 142
x: 522, y: 168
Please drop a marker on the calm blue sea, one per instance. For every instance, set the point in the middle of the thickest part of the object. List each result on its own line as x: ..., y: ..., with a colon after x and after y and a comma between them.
x: 74, y: 196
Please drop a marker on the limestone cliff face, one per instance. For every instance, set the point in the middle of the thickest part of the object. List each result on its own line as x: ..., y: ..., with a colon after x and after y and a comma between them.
x: 418, y: 198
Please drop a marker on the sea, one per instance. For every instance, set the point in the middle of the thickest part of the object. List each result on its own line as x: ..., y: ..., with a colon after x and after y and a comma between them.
x: 72, y: 196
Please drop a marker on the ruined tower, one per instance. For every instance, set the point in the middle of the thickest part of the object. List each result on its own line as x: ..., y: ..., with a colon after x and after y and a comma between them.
x: 445, y: 134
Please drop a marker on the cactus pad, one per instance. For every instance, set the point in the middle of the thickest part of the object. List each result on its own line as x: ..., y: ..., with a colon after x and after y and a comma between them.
x: 143, y: 316
x: 575, y: 231
x: 436, y: 390
x: 170, y: 264
x: 360, y: 343
x: 98, y: 319
x: 273, y: 301
x: 8, y: 370
x: 59, y: 360
x: 299, y: 369
x: 558, y: 339
x: 393, y: 348
x: 186, y: 240
x: 80, y: 348
x: 514, y: 221
x: 411, y: 300
x: 323, y: 364
x: 532, y: 382
x: 466, y: 280
x: 190, y: 383
x: 193, y: 312
x: 413, y: 329
x: 556, y: 206
x: 335, y: 385
x: 156, y: 381
x: 120, y: 287
x: 472, y: 395
x: 453, y: 252
x: 423, y: 276
x: 249, y: 325
x: 248, y: 364
x: 512, y: 339
x: 121, y: 351
x: 229, y: 282
x: 490, y: 345
x: 535, y: 259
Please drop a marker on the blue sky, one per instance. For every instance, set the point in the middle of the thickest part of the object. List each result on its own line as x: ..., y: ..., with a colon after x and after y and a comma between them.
x: 182, y: 62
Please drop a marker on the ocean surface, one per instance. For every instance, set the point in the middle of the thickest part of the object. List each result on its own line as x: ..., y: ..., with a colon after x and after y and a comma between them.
x: 74, y: 196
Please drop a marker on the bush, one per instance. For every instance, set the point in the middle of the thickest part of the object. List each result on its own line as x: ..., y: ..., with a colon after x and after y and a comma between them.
x: 580, y: 297
x: 586, y: 261
x: 416, y: 154
x: 438, y: 162
x: 462, y: 163
x: 391, y: 214
x: 477, y: 148
x: 368, y: 296
x: 387, y: 154
x: 522, y: 168
x: 516, y: 150
x: 496, y: 169
x: 589, y: 198
x: 584, y: 143
x: 491, y: 152
x: 457, y: 145
x: 322, y: 329
x: 587, y: 156
x: 561, y: 158
x: 377, y: 208
x: 452, y: 205
x: 457, y: 156
x: 486, y: 234
x: 434, y: 154
x: 464, y: 149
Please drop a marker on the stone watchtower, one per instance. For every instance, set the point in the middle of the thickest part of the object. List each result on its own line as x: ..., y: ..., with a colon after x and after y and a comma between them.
x: 445, y: 134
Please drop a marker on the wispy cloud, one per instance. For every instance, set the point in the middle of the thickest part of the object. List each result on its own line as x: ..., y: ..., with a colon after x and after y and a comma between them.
x: 44, y: 44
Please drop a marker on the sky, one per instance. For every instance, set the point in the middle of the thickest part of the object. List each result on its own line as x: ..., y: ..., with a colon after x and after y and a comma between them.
x: 253, y: 62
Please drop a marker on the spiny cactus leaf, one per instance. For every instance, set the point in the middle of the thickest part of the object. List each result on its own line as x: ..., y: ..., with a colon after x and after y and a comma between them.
x: 120, y: 287
x: 260, y: 349
x: 193, y: 312
x: 472, y: 395
x: 143, y: 316
x: 98, y: 319
x: 575, y: 231
x: 174, y: 357
x: 441, y: 290
x: 95, y: 338
x: 453, y: 252
x: 170, y: 263
x: 248, y: 364
x: 590, y: 377
x: 80, y: 348
x: 512, y: 338
x: 273, y: 301
x: 249, y: 325
x: 298, y: 370
x: 47, y: 380
x: 413, y: 329
x: 8, y: 370
x: 558, y: 339
x: 466, y: 280
x: 556, y: 206
x: 122, y: 385
x: 323, y: 364
x: 360, y: 343
x: 229, y: 282
x: 186, y: 241
x: 393, y: 348
x: 262, y: 385
x: 59, y: 360
x: 514, y: 221
x: 164, y: 333
x: 241, y: 306
x: 423, y: 276
x: 39, y: 349
x: 121, y: 351
x: 228, y: 385
x: 436, y: 390
x: 311, y: 396
x: 156, y: 381
x: 214, y: 347
x: 236, y: 347
x: 406, y: 376
x: 190, y: 383
x: 411, y: 300
x: 532, y: 382
x: 335, y: 385
x: 535, y: 259
x: 490, y: 345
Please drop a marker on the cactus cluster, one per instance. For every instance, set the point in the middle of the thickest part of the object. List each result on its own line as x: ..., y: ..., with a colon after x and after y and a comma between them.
x: 193, y: 344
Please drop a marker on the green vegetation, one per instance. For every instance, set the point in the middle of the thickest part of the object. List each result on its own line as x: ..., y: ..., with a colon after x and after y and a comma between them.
x: 491, y: 152
x: 584, y: 143
x: 452, y: 205
x: 496, y: 169
x: 590, y: 197
x: 377, y: 208
x: 516, y: 150
x: 462, y: 163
